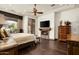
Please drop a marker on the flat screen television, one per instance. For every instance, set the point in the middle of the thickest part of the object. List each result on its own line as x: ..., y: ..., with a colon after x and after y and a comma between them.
x: 45, y: 24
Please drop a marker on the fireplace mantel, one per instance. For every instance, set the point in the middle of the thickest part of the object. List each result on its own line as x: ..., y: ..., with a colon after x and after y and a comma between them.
x: 45, y: 29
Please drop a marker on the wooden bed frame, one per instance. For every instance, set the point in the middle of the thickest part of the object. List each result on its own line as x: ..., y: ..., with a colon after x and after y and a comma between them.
x: 32, y: 43
x: 14, y: 50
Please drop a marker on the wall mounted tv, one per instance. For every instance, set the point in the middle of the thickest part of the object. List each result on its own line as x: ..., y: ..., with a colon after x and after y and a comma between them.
x: 45, y: 24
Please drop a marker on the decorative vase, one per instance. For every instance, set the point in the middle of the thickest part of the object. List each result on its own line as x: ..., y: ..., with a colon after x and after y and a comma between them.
x: 67, y: 23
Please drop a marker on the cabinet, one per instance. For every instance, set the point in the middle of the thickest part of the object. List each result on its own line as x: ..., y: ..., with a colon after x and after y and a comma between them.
x: 63, y: 31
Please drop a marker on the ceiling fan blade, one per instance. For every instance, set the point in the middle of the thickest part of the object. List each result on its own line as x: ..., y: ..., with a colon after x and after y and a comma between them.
x: 39, y: 12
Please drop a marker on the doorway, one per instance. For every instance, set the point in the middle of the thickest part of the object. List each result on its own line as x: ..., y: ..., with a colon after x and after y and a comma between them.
x: 31, y: 26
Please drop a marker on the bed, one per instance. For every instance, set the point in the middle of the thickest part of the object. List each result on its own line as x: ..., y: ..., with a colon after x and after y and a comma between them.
x: 24, y: 39
x: 21, y: 40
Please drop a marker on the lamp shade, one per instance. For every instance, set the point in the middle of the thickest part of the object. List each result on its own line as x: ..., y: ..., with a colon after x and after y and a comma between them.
x: 2, y: 19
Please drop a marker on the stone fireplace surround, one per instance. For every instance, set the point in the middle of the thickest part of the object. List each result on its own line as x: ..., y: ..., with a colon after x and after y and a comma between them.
x: 45, y: 32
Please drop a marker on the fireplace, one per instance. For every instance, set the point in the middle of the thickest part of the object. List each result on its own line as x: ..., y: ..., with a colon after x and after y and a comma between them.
x: 45, y: 32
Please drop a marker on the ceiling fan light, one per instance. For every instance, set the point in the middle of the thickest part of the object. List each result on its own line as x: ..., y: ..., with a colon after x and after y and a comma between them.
x: 34, y: 13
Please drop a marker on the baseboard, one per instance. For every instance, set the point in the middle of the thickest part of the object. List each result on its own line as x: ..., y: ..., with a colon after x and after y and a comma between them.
x: 50, y: 39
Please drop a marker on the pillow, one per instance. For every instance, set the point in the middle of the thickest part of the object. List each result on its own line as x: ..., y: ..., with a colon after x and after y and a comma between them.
x: 5, y: 33
x: 1, y: 36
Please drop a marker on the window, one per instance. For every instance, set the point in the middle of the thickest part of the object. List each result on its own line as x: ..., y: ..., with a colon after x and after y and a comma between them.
x: 11, y: 26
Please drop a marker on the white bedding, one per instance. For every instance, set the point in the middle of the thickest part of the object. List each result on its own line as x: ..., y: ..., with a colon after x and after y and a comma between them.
x: 21, y: 38
x: 17, y: 39
x: 9, y: 44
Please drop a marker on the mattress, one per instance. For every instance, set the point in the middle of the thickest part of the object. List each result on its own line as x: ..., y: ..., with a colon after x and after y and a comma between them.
x: 21, y: 38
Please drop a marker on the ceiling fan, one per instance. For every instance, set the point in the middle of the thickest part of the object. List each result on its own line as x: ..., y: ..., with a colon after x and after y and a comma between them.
x: 35, y: 11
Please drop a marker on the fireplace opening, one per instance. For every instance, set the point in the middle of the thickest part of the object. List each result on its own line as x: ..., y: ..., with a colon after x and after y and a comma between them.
x: 45, y: 29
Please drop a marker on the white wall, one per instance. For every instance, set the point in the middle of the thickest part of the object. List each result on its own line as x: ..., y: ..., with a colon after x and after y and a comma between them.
x: 55, y: 17
x: 25, y: 24
x: 73, y: 17
x: 70, y: 15
x: 45, y: 17
x: 57, y: 21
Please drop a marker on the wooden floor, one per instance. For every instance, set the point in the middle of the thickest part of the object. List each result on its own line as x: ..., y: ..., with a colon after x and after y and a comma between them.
x: 46, y: 47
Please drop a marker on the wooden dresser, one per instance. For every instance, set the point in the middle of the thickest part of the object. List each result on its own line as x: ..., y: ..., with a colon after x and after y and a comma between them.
x: 63, y: 31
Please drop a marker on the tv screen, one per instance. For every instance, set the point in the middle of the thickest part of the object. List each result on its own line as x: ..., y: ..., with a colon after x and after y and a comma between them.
x: 44, y: 24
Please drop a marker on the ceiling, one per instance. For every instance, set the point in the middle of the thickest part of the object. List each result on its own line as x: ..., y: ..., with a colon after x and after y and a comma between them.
x: 26, y: 9
x: 23, y: 9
